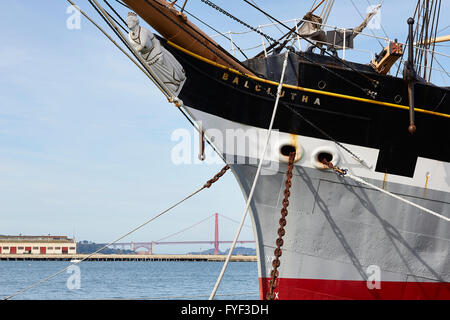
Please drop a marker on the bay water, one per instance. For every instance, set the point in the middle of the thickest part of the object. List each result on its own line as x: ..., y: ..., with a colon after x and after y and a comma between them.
x: 129, y: 280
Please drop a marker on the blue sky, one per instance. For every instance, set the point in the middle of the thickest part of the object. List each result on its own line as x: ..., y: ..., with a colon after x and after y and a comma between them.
x: 85, y: 138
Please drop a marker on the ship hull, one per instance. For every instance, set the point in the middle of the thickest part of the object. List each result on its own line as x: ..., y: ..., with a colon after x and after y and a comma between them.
x: 343, y: 240
x: 346, y: 241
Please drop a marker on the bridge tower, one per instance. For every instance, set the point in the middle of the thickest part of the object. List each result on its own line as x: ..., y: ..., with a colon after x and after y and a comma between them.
x: 216, y: 234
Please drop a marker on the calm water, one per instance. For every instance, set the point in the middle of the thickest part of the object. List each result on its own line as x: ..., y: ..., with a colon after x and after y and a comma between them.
x: 129, y: 280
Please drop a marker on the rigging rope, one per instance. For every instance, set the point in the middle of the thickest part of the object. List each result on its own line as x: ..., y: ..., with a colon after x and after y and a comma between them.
x: 382, y: 28
x: 215, y: 30
x: 123, y: 4
x: 206, y: 185
x: 345, y: 173
x: 116, y: 13
x: 148, y: 72
x: 185, y: 229
x: 372, y: 81
x: 201, y: 37
x: 289, y: 50
x: 255, y: 180
x: 290, y: 108
x: 427, y: 17
x: 365, y: 90
x: 273, y: 95
x: 360, y: 180
x: 354, y: 156
x: 111, y: 39
x: 144, y: 70
x: 180, y: 108
x: 362, y: 17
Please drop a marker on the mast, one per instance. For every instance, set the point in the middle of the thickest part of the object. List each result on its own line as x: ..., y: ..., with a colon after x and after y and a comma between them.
x: 426, y: 15
x: 435, y: 40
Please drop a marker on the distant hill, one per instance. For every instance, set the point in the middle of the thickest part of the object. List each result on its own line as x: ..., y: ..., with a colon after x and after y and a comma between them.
x: 237, y: 251
x: 87, y: 247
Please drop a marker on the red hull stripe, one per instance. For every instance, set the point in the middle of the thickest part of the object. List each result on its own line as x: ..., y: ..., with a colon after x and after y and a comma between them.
x: 317, y: 289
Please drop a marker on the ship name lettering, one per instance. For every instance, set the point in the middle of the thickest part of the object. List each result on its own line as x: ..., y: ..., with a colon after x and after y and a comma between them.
x: 258, y: 88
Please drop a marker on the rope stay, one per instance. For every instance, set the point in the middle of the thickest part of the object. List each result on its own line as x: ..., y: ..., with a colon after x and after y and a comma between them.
x: 255, y: 180
x: 161, y: 85
x: 149, y: 74
x: 215, y: 30
x: 186, y: 112
x: 177, y: 102
x: 368, y: 92
x: 142, y: 66
x: 185, y: 229
x: 372, y: 81
x: 345, y: 173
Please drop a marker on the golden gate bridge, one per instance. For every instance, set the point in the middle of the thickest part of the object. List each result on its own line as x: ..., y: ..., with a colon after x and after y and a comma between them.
x: 149, y: 246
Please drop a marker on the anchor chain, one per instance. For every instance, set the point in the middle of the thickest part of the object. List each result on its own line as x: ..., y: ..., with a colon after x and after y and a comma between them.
x: 216, y: 177
x: 281, y: 232
x: 339, y: 171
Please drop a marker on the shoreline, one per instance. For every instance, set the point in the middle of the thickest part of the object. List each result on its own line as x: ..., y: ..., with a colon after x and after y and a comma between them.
x: 125, y: 257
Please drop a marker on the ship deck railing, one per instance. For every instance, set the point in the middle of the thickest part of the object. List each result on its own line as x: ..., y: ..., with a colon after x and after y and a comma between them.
x: 300, y: 44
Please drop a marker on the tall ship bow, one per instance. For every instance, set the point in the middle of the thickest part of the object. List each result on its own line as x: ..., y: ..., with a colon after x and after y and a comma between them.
x: 357, y: 172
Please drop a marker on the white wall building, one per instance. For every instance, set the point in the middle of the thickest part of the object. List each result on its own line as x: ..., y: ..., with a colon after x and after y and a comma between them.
x: 37, y: 245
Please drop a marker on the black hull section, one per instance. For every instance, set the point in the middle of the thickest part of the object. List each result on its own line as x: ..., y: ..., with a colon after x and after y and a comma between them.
x: 303, y: 73
x: 353, y: 118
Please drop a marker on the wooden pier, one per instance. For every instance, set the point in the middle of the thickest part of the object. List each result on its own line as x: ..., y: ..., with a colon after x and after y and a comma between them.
x: 124, y: 257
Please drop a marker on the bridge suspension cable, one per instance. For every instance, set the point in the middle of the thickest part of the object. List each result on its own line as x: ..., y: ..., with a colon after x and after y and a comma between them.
x: 185, y: 229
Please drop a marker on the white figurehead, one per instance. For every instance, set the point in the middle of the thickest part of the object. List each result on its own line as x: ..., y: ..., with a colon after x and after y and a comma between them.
x: 132, y: 21
x: 161, y: 61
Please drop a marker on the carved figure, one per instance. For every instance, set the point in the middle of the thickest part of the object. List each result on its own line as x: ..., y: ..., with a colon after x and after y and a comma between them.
x: 161, y: 61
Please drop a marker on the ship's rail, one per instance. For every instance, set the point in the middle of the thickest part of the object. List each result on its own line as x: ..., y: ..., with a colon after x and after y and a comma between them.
x: 346, y: 53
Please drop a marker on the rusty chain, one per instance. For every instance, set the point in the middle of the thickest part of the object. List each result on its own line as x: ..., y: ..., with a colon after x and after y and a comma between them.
x: 281, y: 232
x: 216, y: 177
x: 341, y: 172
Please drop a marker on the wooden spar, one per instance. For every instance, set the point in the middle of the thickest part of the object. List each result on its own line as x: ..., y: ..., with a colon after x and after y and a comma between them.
x: 435, y: 40
x: 175, y: 27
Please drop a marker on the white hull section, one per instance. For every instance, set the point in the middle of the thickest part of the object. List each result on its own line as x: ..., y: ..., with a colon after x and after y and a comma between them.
x: 429, y: 174
x: 337, y: 229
